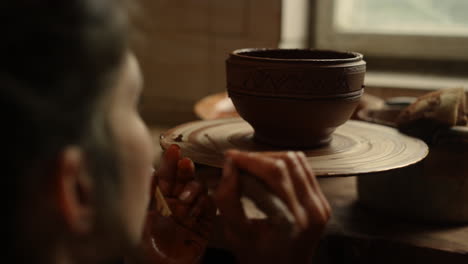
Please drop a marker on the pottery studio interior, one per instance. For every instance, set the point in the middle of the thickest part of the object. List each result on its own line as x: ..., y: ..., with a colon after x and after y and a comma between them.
x: 282, y: 131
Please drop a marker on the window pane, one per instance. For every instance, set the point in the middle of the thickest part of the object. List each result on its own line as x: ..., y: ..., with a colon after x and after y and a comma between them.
x: 426, y: 17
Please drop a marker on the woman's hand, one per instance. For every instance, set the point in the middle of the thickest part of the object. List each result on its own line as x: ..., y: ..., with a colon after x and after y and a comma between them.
x: 287, y: 191
x: 182, y: 237
x: 187, y: 198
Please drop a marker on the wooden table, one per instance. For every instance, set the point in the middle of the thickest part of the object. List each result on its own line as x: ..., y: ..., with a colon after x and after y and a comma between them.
x: 358, y: 235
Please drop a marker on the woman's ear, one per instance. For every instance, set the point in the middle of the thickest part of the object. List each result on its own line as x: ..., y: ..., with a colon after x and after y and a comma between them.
x: 74, y: 191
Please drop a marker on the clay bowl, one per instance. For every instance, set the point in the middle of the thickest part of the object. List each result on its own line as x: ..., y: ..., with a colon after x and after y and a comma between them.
x: 294, y: 123
x: 294, y: 98
x: 294, y: 73
x: 435, y: 190
x: 219, y: 105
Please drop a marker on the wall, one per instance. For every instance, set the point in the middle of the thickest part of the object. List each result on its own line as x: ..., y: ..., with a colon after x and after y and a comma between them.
x: 182, y: 45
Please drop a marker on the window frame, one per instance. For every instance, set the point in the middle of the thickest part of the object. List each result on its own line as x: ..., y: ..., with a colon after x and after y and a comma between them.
x: 405, y: 46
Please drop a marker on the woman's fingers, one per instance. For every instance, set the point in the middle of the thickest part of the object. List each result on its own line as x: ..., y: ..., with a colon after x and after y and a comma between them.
x: 276, y: 209
x: 202, y: 215
x: 191, y: 191
x: 179, y: 210
x: 227, y: 197
x: 296, y: 171
x: 312, y: 180
x: 308, y: 197
x: 307, y: 188
x: 185, y: 174
x: 274, y: 172
x: 166, y: 174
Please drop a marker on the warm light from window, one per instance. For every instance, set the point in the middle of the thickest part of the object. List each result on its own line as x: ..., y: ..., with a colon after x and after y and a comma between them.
x: 402, y: 17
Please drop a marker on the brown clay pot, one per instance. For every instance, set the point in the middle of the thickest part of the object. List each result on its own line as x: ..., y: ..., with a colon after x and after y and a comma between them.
x: 294, y: 123
x: 295, y: 97
x: 434, y: 190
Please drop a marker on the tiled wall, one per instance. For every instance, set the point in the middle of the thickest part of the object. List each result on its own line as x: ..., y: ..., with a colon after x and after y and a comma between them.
x: 182, y: 45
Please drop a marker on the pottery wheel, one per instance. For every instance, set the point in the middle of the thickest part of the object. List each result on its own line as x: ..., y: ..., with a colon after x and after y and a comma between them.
x: 356, y: 148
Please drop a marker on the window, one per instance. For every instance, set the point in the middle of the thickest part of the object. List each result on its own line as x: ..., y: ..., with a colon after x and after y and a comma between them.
x: 420, y: 29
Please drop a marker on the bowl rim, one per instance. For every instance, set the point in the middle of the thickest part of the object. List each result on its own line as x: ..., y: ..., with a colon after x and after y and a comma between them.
x: 240, y: 53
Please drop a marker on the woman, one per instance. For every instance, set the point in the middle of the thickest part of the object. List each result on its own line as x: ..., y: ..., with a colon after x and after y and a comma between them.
x: 79, y: 157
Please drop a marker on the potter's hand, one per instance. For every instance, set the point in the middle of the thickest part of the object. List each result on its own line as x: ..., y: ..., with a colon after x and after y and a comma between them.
x: 187, y: 198
x: 182, y: 237
x: 296, y: 209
